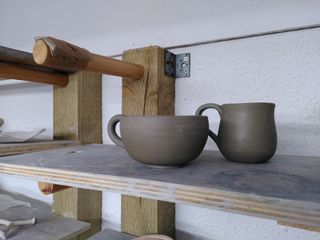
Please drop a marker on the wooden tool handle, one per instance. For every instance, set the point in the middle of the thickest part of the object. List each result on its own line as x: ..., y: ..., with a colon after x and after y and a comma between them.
x: 54, y: 52
x: 13, y: 56
x: 13, y: 71
x: 63, y: 55
x: 48, y: 188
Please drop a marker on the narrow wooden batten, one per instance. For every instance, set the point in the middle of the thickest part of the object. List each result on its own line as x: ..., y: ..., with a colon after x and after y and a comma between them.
x: 63, y: 55
x: 13, y: 71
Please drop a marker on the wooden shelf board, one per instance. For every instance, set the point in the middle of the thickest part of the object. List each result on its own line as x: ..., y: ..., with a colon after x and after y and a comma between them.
x: 8, y: 149
x: 109, y: 234
x: 49, y: 225
x: 286, y: 188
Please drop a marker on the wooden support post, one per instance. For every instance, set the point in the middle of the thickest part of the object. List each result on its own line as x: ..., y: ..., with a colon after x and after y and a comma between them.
x: 152, y: 95
x: 77, y: 116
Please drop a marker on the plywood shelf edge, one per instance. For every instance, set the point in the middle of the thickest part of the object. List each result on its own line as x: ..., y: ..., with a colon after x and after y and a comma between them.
x: 115, y: 171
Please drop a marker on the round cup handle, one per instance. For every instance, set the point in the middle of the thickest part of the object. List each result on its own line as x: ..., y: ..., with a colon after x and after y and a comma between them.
x: 112, y: 130
x: 204, y: 107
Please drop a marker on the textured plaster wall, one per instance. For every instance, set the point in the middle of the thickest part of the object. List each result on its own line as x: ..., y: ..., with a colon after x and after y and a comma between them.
x: 281, y: 68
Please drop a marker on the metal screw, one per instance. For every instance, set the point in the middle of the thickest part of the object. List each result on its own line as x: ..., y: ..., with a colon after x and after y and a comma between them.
x: 185, y: 58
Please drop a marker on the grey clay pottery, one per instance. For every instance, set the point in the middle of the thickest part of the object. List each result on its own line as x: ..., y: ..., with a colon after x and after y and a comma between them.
x: 247, y: 131
x: 161, y: 140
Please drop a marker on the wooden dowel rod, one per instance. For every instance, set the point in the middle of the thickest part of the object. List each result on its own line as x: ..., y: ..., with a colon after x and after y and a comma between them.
x: 53, y: 52
x: 14, y: 56
x: 12, y: 71
x: 48, y: 188
x: 114, y: 67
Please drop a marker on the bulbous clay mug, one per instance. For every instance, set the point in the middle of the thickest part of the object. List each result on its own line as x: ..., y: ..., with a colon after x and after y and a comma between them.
x: 247, y: 131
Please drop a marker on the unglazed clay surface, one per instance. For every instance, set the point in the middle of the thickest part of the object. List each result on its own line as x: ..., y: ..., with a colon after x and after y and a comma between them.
x: 163, y: 140
x: 247, y: 131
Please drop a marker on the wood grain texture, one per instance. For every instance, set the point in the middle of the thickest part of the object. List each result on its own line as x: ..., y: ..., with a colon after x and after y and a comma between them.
x: 10, y: 55
x: 78, y: 116
x: 151, y: 216
x: 13, y: 71
x: 49, y: 226
x: 286, y: 188
x: 109, y: 234
x: 63, y: 55
x: 152, y: 95
x: 7, y: 149
x: 78, y: 109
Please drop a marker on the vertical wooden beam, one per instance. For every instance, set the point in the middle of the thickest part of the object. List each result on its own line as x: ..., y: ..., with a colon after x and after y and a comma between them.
x: 152, y: 95
x: 77, y: 116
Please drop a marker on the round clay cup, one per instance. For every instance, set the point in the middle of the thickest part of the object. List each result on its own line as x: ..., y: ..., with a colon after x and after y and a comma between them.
x: 161, y: 140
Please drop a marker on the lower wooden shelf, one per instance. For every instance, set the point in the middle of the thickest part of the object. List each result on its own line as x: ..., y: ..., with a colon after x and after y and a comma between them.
x: 8, y: 149
x: 109, y: 234
x: 49, y: 226
x: 285, y: 189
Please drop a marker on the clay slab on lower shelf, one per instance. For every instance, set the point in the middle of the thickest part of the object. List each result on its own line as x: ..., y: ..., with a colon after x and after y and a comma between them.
x: 49, y: 226
x: 286, y: 188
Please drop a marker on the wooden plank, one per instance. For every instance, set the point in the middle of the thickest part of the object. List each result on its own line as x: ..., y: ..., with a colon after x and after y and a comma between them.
x: 7, y: 149
x: 152, y: 95
x: 78, y: 116
x: 109, y: 234
x: 286, y: 188
x: 13, y: 71
x: 49, y: 226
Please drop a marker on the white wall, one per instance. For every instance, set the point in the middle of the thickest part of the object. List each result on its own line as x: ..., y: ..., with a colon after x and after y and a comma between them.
x: 281, y: 68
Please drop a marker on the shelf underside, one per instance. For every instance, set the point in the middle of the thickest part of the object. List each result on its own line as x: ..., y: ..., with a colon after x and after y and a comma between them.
x: 8, y: 149
x: 286, y: 188
x: 49, y: 226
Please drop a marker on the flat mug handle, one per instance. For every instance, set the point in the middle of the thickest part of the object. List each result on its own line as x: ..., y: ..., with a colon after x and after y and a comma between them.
x: 112, y: 130
x: 204, y: 107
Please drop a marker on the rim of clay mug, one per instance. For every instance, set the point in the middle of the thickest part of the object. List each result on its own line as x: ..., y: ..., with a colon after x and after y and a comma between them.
x: 164, y: 116
x: 249, y: 103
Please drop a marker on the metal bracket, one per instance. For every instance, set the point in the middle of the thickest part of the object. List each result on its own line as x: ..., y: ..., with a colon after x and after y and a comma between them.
x: 177, y: 65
